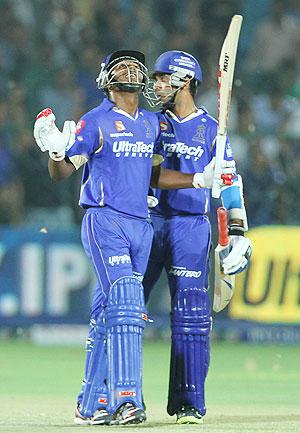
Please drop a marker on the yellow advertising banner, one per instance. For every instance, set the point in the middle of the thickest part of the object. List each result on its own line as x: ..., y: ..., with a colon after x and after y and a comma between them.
x: 269, y: 291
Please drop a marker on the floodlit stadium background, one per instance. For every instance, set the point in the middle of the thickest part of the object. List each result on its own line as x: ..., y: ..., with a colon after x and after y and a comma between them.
x: 50, y: 53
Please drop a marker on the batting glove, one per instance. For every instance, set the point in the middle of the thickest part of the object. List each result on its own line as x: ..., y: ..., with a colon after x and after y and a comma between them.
x: 206, y: 179
x: 49, y: 138
x: 240, y: 248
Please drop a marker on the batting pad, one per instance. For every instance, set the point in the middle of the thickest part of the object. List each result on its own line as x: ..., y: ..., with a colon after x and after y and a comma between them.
x: 125, y: 321
x: 190, y: 354
x: 94, y: 390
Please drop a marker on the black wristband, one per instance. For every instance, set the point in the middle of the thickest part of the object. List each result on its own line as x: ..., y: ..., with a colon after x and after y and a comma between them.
x: 236, y: 230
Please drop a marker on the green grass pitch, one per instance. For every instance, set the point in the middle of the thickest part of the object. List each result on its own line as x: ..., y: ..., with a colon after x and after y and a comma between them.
x: 250, y: 389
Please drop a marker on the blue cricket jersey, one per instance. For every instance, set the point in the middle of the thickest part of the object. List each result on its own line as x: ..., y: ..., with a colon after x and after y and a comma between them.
x: 117, y: 151
x: 189, y: 145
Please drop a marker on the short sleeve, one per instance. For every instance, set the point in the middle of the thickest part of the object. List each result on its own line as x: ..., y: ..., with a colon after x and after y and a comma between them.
x: 87, y: 142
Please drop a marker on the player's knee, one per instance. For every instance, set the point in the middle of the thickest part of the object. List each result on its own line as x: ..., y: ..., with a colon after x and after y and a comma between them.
x: 126, y: 304
x: 191, y: 311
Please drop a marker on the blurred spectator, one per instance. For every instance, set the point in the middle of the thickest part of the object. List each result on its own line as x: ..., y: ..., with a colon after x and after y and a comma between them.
x: 259, y: 176
x: 64, y: 97
x: 276, y: 39
x: 85, y: 76
x: 38, y: 74
x: 271, y: 108
x: 51, y: 55
x: 11, y: 191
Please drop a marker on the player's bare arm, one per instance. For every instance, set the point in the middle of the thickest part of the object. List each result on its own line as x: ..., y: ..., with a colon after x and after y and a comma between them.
x: 164, y: 178
x: 60, y: 170
x: 169, y: 179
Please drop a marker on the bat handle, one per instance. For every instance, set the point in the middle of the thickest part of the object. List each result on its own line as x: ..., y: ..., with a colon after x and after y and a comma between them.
x: 222, y: 226
x: 216, y: 190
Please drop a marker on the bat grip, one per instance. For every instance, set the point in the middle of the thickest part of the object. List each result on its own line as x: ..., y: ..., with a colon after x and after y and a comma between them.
x: 222, y: 226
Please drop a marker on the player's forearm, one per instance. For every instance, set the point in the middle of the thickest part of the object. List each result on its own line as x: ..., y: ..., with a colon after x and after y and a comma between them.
x: 233, y: 200
x: 170, y: 179
x: 60, y: 170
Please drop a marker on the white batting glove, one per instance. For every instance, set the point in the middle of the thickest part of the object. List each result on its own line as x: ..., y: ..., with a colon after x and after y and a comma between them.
x: 152, y: 201
x: 49, y: 138
x: 239, y: 256
x: 206, y: 178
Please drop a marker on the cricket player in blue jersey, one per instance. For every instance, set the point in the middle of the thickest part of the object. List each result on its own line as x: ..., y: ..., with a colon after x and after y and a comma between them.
x: 182, y: 233
x: 118, y: 146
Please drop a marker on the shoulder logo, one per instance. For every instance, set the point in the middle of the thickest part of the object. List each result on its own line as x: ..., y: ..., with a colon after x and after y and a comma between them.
x: 80, y: 125
x: 163, y: 126
x: 119, y: 125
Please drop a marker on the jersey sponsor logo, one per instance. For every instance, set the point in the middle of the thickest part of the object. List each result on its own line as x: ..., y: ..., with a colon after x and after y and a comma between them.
x: 102, y: 400
x: 163, y: 126
x: 127, y: 393
x: 200, y: 134
x: 121, y: 134
x: 80, y: 125
x: 124, y: 147
x: 119, y: 125
x: 119, y: 260
x: 184, y: 59
x: 181, y: 149
x: 181, y: 271
x: 168, y: 134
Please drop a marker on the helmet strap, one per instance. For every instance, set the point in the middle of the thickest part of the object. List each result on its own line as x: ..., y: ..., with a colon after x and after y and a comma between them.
x: 130, y: 88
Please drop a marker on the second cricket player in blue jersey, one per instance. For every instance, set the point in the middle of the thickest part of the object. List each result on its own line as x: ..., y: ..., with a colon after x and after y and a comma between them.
x: 182, y: 233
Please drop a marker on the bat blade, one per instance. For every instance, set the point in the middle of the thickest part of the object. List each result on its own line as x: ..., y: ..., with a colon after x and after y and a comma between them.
x: 225, y: 80
x: 224, y: 284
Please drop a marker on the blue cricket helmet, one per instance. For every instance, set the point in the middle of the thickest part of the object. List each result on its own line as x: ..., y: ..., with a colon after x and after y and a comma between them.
x: 181, y: 62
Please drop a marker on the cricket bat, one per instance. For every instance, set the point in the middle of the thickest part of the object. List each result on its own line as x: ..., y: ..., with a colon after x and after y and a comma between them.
x: 224, y: 284
x: 225, y: 80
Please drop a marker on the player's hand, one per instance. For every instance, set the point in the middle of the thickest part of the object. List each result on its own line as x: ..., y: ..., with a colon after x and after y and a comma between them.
x: 49, y: 138
x: 239, y: 256
x: 206, y: 178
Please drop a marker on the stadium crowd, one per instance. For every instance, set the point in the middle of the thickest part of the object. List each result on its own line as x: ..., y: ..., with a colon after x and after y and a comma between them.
x: 50, y: 54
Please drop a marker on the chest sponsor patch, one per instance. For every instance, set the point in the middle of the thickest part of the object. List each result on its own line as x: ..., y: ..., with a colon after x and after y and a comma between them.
x: 119, y: 125
x: 139, y: 148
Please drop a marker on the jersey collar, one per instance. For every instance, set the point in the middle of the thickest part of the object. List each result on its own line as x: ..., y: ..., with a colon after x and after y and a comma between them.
x: 108, y: 105
x: 191, y: 116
